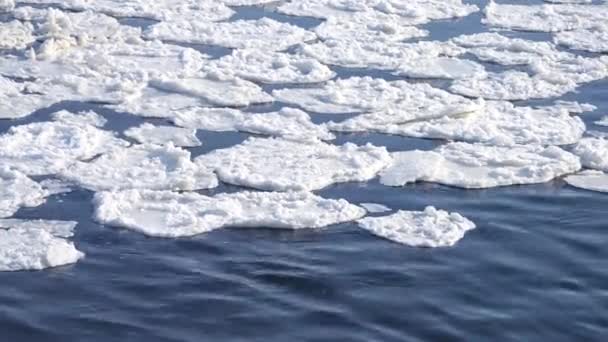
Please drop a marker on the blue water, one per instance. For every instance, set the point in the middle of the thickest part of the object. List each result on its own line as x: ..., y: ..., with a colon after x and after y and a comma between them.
x: 533, y: 270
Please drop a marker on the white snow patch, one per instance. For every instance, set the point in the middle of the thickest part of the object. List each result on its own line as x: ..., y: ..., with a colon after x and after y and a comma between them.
x: 147, y: 133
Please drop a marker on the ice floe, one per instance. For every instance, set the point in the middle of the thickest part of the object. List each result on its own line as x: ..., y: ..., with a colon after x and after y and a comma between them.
x: 258, y: 34
x: 271, y: 67
x: 287, y: 122
x: 375, y: 208
x: 48, y: 147
x: 147, y: 133
x: 16, y: 35
x: 16, y: 102
x: 17, y: 190
x: 169, y: 214
x: 602, y: 122
x: 428, y: 228
x: 498, y: 123
x: 36, y: 244
x: 364, y: 94
x: 475, y: 166
x: 284, y: 165
x: 81, y: 118
x: 594, y: 39
x: 544, y: 18
x: 7, y: 5
x: 589, y: 180
x: 141, y: 167
x: 593, y: 153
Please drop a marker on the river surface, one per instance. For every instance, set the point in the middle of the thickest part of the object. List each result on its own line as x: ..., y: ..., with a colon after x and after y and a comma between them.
x: 535, y: 269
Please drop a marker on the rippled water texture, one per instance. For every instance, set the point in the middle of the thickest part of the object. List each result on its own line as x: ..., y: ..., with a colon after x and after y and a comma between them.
x: 533, y: 270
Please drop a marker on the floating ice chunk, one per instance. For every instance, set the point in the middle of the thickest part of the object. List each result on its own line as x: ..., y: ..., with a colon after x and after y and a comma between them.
x: 162, y: 135
x: 48, y: 147
x: 7, y: 5
x: 17, y: 190
x: 56, y: 186
x: 417, y: 10
x: 16, y: 103
x: 428, y: 228
x: 500, y: 123
x: 544, y: 18
x: 375, y: 208
x: 141, y: 167
x: 575, y: 107
x: 284, y: 165
x: 475, y: 166
x: 258, y: 34
x: 271, y: 67
x: 589, y: 180
x: 16, y: 35
x: 154, y: 103
x: 594, y: 39
x: 166, y: 10
x: 36, y: 245
x: 441, y: 67
x: 82, y: 118
x: 365, y: 94
x: 511, y: 85
x: 288, y: 122
x: 169, y: 214
x: 245, y: 2
x: 602, y: 122
x: 219, y: 91
x: 370, y: 27
x: 593, y: 153
x: 378, y: 54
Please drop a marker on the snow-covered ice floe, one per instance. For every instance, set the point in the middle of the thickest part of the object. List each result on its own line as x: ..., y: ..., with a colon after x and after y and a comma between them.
x: 16, y: 35
x: 411, y: 101
x: 589, y: 180
x: 36, y: 244
x: 287, y: 122
x: 258, y: 34
x: 43, y: 148
x: 141, y: 167
x: 375, y: 208
x: 497, y: 123
x: 147, y: 133
x: 17, y: 190
x: 169, y: 214
x: 476, y: 166
x: 283, y: 165
x: 428, y: 228
x: 593, y: 153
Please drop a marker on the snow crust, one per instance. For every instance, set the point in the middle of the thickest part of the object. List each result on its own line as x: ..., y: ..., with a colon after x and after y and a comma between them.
x: 169, y: 214
x: 428, y: 228
x: 475, y: 166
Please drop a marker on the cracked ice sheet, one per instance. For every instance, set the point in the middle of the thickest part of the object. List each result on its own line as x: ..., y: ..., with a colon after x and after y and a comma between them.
x: 270, y: 67
x: 283, y: 165
x: 589, y: 180
x: 414, y: 101
x: 378, y: 54
x: 416, y: 10
x: 475, y: 166
x: 499, y: 123
x: 17, y: 190
x: 16, y: 35
x: 48, y: 147
x: 593, y: 153
x: 258, y: 34
x: 164, y: 10
x: 428, y: 228
x: 288, y: 122
x: 163, y: 135
x: 171, y: 215
x: 36, y: 244
x: 544, y: 18
x: 141, y: 167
